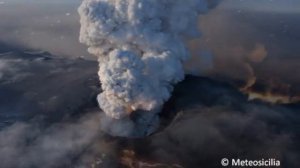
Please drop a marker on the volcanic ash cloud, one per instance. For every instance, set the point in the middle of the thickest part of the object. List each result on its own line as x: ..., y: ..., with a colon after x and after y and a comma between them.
x: 140, y: 45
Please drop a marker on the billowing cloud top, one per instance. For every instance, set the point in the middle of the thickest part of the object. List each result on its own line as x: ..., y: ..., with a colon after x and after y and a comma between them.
x: 140, y: 45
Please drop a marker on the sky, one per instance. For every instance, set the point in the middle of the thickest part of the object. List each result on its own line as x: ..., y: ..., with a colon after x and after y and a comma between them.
x: 286, y: 6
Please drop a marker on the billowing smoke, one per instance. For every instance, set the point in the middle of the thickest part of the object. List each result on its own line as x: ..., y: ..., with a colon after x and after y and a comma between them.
x: 140, y: 45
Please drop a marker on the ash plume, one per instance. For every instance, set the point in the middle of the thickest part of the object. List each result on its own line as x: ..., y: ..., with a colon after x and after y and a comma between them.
x: 271, y: 91
x: 141, y: 48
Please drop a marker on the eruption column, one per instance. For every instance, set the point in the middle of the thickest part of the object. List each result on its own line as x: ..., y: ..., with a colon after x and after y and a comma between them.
x: 140, y: 45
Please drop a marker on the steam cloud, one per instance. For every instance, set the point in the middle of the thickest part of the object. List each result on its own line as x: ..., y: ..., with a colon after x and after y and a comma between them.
x: 140, y: 45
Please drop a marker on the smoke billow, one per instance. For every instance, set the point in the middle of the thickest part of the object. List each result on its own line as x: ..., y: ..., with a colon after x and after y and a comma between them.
x: 28, y: 144
x: 140, y: 46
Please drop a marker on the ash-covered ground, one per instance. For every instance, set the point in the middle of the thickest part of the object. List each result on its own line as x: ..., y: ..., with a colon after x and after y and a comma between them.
x: 50, y: 118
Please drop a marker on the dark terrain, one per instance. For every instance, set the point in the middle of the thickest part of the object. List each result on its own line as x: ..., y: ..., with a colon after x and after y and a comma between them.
x: 49, y: 118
